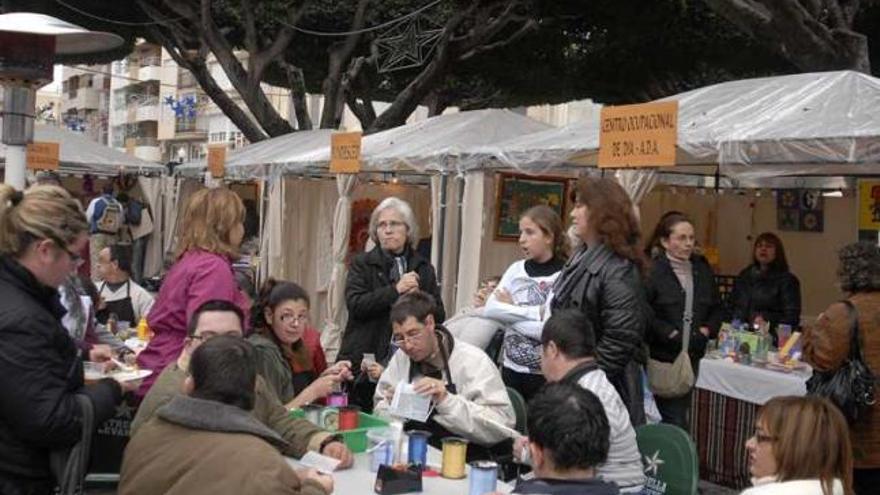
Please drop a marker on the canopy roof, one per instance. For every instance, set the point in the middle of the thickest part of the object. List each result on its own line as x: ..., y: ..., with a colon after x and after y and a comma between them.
x: 80, y: 155
x: 256, y: 160
x: 804, y: 124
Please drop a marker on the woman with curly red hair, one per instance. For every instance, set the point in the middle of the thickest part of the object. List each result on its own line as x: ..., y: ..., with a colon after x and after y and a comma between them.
x: 603, y: 278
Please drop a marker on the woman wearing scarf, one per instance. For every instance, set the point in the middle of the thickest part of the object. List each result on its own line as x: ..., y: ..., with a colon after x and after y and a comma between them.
x: 376, y: 280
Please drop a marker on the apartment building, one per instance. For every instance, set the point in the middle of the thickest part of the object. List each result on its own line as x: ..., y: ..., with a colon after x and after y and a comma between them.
x: 85, y: 101
x: 135, y: 107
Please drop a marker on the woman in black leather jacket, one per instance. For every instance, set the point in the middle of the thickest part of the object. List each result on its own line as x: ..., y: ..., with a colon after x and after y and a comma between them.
x: 603, y: 278
x: 676, y: 270
x: 766, y: 291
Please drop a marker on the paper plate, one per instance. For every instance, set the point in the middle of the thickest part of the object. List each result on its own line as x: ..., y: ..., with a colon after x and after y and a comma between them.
x: 128, y: 376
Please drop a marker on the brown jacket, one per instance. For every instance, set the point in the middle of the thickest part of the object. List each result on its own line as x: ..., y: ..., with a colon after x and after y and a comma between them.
x: 826, y: 347
x: 196, y: 446
x: 300, y: 434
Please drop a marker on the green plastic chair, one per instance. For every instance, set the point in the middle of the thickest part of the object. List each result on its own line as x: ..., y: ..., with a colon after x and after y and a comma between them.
x: 519, y: 408
x: 670, y: 459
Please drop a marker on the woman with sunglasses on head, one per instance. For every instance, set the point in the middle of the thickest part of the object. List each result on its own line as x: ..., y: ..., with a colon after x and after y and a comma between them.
x: 41, y: 370
x: 288, y: 350
x: 801, y: 446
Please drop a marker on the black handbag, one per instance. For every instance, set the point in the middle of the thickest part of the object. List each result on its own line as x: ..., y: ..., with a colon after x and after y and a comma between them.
x: 850, y: 387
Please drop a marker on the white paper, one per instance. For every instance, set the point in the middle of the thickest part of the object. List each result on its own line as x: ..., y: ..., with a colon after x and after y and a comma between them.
x: 320, y: 463
x: 409, y: 404
x: 368, y: 358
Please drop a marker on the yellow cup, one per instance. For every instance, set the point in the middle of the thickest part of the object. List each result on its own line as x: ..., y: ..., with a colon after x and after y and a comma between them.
x: 454, y: 456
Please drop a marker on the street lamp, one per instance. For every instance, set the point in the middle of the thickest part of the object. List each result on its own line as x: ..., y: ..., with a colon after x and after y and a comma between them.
x: 28, y: 46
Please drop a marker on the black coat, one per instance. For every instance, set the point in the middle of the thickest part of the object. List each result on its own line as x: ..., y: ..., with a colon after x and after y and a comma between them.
x: 775, y: 295
x: 40, y: 374
x: 369, y: 295
x: 609, y: 290
x: 667, y: 299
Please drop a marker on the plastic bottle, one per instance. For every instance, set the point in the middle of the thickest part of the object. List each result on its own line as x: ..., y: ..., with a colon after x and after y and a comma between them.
x: 112, y: 323
x: 143, y: 330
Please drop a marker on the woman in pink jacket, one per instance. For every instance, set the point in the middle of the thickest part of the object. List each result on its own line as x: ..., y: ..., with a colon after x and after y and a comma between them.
x: 210, y: 235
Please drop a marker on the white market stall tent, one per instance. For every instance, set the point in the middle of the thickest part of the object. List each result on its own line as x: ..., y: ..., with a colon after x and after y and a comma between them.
x: 305, y: 214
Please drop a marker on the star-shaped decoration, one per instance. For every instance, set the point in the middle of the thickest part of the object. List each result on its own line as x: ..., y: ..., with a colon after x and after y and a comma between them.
x: 406, y: 45
x: 123, y: 410
x: 653, y: 463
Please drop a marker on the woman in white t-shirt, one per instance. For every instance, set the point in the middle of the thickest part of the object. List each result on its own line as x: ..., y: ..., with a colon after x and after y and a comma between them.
x: 519, y: 301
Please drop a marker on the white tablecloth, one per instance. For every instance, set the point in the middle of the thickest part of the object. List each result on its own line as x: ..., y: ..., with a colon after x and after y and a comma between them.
x: 749, y: 383
x: 359, y: 480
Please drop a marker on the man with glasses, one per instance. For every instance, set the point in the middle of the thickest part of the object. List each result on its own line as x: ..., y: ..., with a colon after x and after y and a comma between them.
x: 468, y: 397
x: 215, y: 318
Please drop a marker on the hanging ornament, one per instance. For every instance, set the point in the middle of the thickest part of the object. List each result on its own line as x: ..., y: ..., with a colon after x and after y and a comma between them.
x: 407, y: 44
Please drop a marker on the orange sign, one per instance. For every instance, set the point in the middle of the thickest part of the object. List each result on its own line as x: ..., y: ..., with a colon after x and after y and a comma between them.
x: 130, y: 145
x: 638, y: 135
x: 42, y: 156
x: 217, y: 161
x: 345, y: 152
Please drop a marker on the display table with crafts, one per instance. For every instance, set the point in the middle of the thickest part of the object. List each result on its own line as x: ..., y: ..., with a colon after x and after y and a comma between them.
x: 724, y: 405
x: 359, y: 479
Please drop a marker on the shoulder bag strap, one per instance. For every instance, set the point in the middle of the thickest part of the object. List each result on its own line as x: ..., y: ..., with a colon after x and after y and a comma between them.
x: 855, y: 345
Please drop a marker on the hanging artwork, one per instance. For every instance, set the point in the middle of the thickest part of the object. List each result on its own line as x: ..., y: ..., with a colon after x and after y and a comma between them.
x: 516, y: 193
x: 800, y: 210
x: 869, y: 210
x: 183, y: 107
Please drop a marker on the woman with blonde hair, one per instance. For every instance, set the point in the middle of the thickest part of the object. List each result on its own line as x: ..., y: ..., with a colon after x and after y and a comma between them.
x: 209, y: 237
x: 43, y: 401
x: 800, y: 447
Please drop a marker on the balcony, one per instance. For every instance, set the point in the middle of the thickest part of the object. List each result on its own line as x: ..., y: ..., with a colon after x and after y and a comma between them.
x: 147, y: 112
x: 84, y: 98
x: 150, y: 73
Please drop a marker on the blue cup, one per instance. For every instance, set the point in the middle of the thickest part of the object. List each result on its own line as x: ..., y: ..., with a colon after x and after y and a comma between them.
x: 418, y: 447
x: 483, y: 477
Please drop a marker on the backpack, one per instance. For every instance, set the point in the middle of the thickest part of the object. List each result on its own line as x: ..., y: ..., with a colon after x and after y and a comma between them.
x: 109, y: 218
x: 133, y: 212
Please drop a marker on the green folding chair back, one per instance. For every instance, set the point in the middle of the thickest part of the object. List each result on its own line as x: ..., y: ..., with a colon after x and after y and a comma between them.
x: 670, y: 459
x: 519, y: 408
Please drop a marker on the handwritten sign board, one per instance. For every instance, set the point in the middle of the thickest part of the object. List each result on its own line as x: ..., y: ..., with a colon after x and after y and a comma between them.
x: 869, y: 210
x: 638, y: 135
x: 42, y: 156
x: 345, y: 152
x: 217, y: 161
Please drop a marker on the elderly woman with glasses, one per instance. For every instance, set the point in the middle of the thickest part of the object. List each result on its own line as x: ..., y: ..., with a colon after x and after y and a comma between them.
x: 377, y: 279
x: 288, y: 350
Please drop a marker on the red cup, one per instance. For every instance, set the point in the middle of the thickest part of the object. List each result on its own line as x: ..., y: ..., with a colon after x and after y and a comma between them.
x: 349, y: 417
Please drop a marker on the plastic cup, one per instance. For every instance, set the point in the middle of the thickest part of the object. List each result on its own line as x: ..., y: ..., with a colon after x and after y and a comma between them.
x: 483, y: 477
x: 381, y: 449
x: 313, y: 413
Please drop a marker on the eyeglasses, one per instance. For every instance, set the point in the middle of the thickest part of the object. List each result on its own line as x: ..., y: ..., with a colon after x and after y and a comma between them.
x: 762, y: 437
x: 413, y: 336
x: 75, y: 258
x: 288, y: 319
x: 391, y: 224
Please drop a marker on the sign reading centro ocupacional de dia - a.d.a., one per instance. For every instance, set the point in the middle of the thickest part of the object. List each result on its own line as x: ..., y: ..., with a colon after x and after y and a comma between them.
x: 642, y: 135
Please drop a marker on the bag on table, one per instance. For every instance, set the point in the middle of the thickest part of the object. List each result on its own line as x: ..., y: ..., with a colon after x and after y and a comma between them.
x: 851, y: 386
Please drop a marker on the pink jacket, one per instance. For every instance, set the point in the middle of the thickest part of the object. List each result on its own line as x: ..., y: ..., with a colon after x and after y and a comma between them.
x: 197, y: 277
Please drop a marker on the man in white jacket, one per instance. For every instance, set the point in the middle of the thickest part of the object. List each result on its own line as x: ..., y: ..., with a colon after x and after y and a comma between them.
x: 465, y: 386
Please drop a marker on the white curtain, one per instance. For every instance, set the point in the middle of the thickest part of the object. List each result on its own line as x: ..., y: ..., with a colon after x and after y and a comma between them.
x: 271, y: 255
x: 331, y: 337
x: 471, y: 240
x: 152, y: 189
x: 173, y: 204
x: 637, y: 183
x: 436, y: 184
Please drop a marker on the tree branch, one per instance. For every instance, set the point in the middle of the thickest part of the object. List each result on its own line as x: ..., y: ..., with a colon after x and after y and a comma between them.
x: 340, y: 57
x: 196, y: 65
x: 297, y: 95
